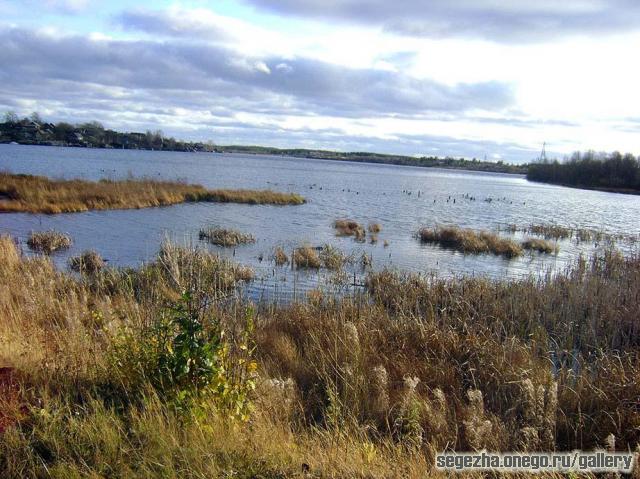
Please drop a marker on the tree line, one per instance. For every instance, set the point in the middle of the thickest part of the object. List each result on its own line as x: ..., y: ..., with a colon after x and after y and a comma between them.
x: 609, y: 171
x: 34, y: 130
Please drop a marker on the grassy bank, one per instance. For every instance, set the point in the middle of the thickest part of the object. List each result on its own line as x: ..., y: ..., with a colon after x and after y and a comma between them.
x: 159, y: 371
x: 38, y: 194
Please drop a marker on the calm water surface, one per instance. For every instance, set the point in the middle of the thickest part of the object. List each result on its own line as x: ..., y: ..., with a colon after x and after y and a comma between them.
x: 385, y: 194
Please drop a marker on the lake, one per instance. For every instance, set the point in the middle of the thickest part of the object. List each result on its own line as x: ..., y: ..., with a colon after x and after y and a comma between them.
x: 400, y: 198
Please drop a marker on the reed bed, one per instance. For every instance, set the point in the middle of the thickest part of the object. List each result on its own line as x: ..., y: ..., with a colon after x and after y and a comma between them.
x: 369, y: 385
x: 540, y: 245
x: 38, y: 194
x: 470, y: 241
x: 279, y: 256
x: 225, y: 237
x: 89, y: 262
x: 48, y: 241
x: 346, y: 227
x: 306, y: 257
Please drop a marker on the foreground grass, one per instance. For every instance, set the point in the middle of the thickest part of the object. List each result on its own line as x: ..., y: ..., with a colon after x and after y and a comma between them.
x: 37, y: 194
x: 363, y: 386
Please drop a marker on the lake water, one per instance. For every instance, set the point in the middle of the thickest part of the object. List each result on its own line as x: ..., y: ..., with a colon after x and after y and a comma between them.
x: 385, y: 194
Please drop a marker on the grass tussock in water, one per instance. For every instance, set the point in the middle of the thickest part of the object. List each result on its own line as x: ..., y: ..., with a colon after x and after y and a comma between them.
x: 540, y: 245
x: 89, y: 262
x: 38, y: 194
x: 374, y: 228
x: 470, y: 241
x: 48, y: 241
x: 156, y: 371
x: 279, y: 256
x: 346, y: 227
x: 225, y: 237
x: 306, y: 257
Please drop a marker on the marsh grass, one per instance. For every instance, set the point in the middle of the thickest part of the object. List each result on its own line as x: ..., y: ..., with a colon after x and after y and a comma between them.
x: 279, y: 256
x: 306, y: 257
x: 38, y: 194
x: 225, y: 237
x: 540, y: 245
x: 470, y: 241
x: 374, y: 228
x: 347, y: 227
x: 550, y: 231
x: 366, y: 385
x: 48, y: 241
x: 89, y: 262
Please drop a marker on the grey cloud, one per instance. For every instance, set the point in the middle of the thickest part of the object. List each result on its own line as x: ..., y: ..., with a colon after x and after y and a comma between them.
x: 161, y: 22
x: 270, y: 83
x: 515, y: 20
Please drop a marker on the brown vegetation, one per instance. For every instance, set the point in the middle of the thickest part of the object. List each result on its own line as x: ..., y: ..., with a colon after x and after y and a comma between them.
x: 358, y: 386
x: 88, y: 262
x: 469, y: 241
x: 37, y: 194
x: 345, y: 227
x: 225, y: 237
x: 279, y: 256
x: 540, y: 245
x: 306, y: 257
x: 48, y: 241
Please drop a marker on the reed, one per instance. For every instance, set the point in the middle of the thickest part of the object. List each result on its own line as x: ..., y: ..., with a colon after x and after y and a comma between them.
x: 48, y: 241
x: 279, y: 256
x: 540, y: 245
x: 38, y: 194
x: 346, y: 227
x: 225, y: 237
x: 306, y: 257
x: 88, y: 262
x: 469, y: 241
x: 354, y: 386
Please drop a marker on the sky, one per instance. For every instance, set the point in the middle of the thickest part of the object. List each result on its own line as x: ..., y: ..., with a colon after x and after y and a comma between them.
x: 466, y: 78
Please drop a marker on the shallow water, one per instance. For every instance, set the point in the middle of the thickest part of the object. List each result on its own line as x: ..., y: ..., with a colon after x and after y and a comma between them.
x: 386, y: 194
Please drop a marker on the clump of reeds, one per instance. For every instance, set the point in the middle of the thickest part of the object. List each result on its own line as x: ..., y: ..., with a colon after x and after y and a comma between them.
x: 38, y: 194
x: 89, y: 262
x: 469, y: 241
x: 279, y: 256
x: 550, y: 231
x: 306, y: 257
x: 225, y: 237
x: 540, y: 245
x: 48, y: 241
x: 346, y: 227
x: 332, y: 258
x: 374, y: 228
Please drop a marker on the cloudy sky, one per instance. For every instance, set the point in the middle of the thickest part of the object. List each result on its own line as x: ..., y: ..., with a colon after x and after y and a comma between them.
x: 469, y: 78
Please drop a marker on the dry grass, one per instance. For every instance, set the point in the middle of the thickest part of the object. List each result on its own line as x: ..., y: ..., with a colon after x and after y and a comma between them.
x: 469, y: 241
x: 346, y: 227
x: 540, y: 245
x: 280, y: 258
x: 37, y: 194
x: 225, y: 237
x: 362, y: 386
x: 48, y: 241
x: 374, y: 228
x: 88, y: 262
x: 550, y: 231
x: 306, y: 257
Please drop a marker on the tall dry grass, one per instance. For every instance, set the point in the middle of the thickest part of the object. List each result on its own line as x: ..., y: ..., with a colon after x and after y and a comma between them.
x: 38, y: 194
x: 469, y: 241
x: 361, y: 386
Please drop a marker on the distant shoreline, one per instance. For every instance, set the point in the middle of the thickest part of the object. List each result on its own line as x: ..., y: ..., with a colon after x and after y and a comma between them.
x: 447, y: 163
